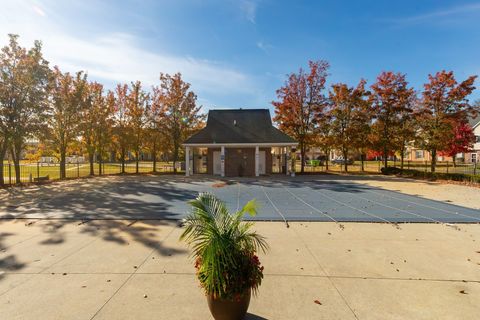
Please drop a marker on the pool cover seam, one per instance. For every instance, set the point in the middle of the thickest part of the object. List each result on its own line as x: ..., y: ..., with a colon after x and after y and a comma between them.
x: 318, y: 210
x: 349, y: 206
x: 426, y: 206
x: 274, y: 206
x: 398, y: 209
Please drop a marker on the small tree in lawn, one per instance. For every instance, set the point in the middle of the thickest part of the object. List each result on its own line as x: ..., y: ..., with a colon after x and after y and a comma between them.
x: 348, y: 113
x: 407, y: 128
x: 363, y: 121
x: 105, y: 106
x: 158, y: 140
x: 461, y: 141
x: 176, y: 106
x: 89, y: 119
x: 444, y: 103
x: 96, y: 123
x: 68, y: 101
x: 121, y: 131
x: 137, y: 108
x: 300, y: 103
x: 323, y: 136
x: 24, y: 79
x: 390, y: 98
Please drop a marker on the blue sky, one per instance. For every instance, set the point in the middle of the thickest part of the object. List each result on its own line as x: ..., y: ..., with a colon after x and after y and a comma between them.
x: 237, y: 53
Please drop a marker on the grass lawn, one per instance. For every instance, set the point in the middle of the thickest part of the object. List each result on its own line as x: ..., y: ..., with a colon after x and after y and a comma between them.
x: 30, y: 171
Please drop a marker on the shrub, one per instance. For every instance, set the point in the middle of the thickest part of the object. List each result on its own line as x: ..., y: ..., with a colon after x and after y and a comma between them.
x: 432, y: 175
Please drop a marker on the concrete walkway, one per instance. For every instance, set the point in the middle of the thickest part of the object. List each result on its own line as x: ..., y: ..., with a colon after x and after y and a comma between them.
x: 117, y: 269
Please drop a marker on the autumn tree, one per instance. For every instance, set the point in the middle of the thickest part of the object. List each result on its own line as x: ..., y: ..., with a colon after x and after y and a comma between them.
x: 461, y: 141
x: 137, y: 109
x: 407, y: 128
x: 24, y: 76
x: 96, y: 123
x: 348, y: 116
x: 67, y: 103
x: 157, y: 138
x: 103, y: 133
x: 175, y: 104
x: 390, y: 98
x: 301, y: 102
x: 88, y: 120
x: 323, y: 136
x: 444, y: 102
x: 121, y: 132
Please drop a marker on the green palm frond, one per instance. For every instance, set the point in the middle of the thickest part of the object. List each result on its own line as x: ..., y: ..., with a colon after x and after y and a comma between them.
x: 222, y: 242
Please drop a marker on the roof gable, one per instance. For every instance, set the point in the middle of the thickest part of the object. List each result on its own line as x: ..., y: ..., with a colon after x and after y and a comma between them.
x: 239, y: 126
x: 474, y: 121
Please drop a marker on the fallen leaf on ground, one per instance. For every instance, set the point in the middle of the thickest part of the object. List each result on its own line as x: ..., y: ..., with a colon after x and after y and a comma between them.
x: 317, y: 302
x: 463, y: 292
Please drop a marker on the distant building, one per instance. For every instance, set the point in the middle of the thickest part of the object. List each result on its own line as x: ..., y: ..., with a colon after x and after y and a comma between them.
x: 239, y: 142
x: 474, y: 155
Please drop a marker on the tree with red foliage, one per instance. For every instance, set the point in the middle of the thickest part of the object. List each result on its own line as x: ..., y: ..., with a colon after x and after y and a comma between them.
x: 301, y: 104
x: 461, y: 141
x: 443, y: 104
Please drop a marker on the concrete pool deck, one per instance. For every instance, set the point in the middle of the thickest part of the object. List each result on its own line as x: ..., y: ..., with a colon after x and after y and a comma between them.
x: 120, y: 269
x: 58, y: 262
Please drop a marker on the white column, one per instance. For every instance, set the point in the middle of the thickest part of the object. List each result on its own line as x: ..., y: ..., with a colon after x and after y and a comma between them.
x: 257, y: 161
x: 293, y: 162
x: 187, y: 161
x: 287, y: 160
x: 222, y: 161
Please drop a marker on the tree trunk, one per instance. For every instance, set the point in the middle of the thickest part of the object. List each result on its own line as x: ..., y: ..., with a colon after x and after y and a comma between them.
x: 454, y: 159
x: 175, y: 157
x: 122, y: 155
x: 99, y: 163
x: 62, y: 164
x: 154, y: 156
x: 402, y: 158
x: 3, y: 152
x: 90, y: 159
x: 434, y: 160
x: 302, y: 156
x: 327, y: 156
x: 16, y: 151
x: 345, y: 157
x: 362, y: 160
x: 137, y: 155
x: 385, y: 156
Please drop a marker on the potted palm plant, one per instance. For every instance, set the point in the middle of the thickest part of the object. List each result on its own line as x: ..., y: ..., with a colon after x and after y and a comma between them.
x: 224, y: 249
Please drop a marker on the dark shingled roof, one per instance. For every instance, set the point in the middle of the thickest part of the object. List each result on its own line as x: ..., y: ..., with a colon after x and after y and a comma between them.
x: 239, y: 126
x: 473, y: 121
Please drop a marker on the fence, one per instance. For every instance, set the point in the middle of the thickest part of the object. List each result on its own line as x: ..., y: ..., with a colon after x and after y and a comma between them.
x: 36, y: 172
x: 375, y: 167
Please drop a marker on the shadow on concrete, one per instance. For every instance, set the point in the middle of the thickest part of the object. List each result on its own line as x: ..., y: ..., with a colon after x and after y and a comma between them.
x: 251, y: 316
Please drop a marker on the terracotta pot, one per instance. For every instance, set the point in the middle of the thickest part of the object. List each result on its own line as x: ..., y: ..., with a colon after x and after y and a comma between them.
x: 223, y: 309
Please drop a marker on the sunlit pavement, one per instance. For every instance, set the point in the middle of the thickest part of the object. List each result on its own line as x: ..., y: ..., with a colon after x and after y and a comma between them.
x: 128, y: 269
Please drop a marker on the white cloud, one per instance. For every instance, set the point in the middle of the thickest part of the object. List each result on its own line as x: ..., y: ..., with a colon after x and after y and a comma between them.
x: 114, y: 57
x: 249, y: 9
x: 38, y: 11
x: 266, y: 47
x: 452, y: 11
